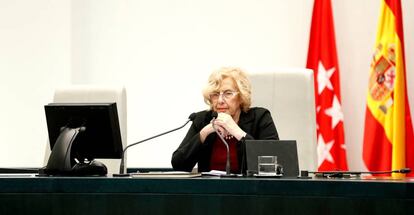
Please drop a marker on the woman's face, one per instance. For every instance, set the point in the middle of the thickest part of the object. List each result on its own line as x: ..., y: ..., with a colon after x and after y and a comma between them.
x: 227, y: 99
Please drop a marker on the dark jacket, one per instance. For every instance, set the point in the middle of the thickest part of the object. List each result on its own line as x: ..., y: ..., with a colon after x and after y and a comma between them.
x: 256, y: 122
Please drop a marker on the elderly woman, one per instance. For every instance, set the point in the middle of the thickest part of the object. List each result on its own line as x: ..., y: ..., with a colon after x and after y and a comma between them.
x: 227, y: 93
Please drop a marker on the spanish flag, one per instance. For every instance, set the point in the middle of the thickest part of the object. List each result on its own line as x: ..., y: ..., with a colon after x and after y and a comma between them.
x: 388, y: 135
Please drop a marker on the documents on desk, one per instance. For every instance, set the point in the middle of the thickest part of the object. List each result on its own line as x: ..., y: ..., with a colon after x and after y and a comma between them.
x: 215, y: 173
x: 17, y: 175
x: 166, y: 174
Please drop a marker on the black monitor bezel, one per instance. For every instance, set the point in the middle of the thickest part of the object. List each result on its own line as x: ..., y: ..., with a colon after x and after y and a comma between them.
x: 111, y: 147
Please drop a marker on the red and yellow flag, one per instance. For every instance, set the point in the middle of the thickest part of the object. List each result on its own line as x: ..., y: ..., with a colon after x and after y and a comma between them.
x: 388, y: 135
x: 329, y: 116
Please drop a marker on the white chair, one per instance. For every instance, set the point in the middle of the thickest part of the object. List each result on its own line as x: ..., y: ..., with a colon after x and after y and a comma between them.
x: 93, y: 93
x: 289, y: 95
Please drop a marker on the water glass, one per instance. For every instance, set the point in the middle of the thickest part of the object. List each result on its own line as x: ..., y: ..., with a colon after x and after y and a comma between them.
x: 267, y: 165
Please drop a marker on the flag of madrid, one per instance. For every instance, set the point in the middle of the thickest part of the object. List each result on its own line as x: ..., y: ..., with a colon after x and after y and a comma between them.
x: 323, y: 60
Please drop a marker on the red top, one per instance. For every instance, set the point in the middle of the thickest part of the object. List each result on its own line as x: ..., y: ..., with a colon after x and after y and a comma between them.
x: 219, y: 155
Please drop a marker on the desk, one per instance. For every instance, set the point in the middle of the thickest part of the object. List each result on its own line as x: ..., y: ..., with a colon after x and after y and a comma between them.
x: 106, y: 195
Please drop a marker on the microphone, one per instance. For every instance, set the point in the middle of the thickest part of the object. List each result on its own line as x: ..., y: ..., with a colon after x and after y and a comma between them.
x: 121, y: 168
x: 341, y: 174
x: 228, y: 174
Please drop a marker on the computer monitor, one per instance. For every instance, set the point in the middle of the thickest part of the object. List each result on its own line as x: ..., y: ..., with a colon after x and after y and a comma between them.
x: 79, y: 132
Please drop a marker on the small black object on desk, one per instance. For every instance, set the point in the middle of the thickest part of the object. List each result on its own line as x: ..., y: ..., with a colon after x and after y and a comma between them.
x: 93, y: 168
x: 304, y: 174
x: 85, y: 168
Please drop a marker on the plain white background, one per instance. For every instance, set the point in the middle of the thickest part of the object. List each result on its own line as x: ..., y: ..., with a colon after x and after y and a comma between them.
x: 163, y: 52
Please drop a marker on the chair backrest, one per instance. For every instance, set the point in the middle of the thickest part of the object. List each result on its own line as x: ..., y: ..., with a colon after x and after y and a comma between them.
x: 289, y: 95
x: 94, y: 93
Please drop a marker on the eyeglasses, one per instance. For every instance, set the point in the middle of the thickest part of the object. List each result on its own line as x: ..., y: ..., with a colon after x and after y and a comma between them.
x: 228, y: 94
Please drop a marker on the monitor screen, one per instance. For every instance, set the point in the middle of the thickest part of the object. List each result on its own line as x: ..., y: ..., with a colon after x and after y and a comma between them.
x: 99, y: 136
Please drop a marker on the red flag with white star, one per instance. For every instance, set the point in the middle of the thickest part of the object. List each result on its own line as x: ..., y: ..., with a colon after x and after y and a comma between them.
x: 323, y: 60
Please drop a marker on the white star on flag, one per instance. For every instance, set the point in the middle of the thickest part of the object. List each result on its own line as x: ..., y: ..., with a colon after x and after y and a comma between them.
x: 335, y: 112
x: 324, y: 150
x: 318, y: 108
x: 324, y: 77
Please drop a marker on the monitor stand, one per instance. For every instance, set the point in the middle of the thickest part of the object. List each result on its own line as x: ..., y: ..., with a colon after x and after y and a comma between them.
x: 59, y: 162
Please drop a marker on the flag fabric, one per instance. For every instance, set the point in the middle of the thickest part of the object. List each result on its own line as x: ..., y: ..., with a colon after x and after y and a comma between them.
x: 388, y: 135
x: 323, y: 60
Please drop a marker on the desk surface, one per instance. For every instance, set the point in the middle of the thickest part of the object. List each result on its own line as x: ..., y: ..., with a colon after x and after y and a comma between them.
x: 241, y: 185
x: 212, y: 195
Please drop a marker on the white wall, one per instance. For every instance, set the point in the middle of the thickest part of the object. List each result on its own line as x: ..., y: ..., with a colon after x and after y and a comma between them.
x: 163, y: 51
x: 34, y: 59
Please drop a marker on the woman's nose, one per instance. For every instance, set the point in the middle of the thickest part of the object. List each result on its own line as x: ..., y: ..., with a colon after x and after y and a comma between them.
x: 220, y: 98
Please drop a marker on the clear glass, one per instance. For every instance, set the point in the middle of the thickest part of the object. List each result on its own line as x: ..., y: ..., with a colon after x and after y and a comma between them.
x: 267, y: 165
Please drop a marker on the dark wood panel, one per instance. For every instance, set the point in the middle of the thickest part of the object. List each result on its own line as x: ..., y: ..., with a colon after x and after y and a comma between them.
x: 203, y: 196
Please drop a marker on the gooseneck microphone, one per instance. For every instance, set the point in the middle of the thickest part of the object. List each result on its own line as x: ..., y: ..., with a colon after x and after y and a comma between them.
x: 228, y: 174
x: 341, y: 174
x: 122, y: 165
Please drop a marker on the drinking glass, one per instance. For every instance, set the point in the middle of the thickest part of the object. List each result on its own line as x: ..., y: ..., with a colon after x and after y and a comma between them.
x: 267, y: 165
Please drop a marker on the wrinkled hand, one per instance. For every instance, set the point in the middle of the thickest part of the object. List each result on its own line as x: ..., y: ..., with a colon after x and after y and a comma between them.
x: 227, y: 126
x: 221, y: 130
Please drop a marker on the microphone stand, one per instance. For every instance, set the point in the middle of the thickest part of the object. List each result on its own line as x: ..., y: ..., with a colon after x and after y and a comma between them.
x: 122, y: 165
x: 340, y: 174
x: 228, y: 174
